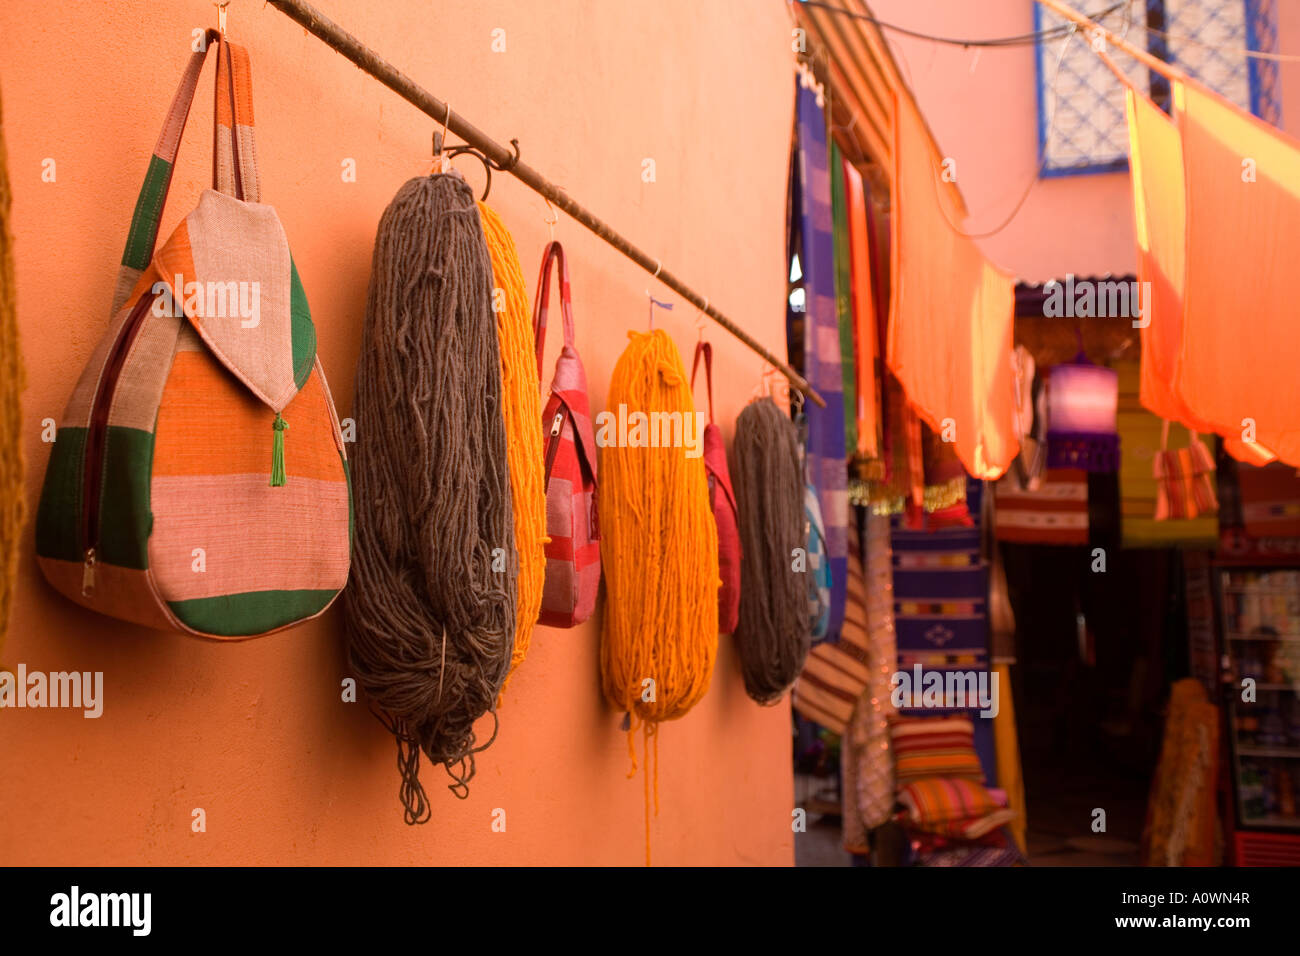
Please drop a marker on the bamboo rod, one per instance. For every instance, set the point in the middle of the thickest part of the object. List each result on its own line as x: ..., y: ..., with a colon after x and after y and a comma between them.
x: 1142, y: 56
x: 347, y: 45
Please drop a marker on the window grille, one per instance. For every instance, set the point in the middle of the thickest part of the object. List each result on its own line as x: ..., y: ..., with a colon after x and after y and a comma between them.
x: 1081, y: 124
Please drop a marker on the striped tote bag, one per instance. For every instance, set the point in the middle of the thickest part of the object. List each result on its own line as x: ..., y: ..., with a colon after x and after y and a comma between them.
x: 199, y: 482
x: 572, y: 524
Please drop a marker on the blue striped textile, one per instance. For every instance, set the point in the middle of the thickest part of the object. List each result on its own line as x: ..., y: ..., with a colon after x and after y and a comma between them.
x: 813, y: 338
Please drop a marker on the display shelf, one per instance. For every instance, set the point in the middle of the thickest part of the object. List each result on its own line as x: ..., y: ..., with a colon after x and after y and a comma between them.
x: 1259, y: 618
x: 1274, y: 753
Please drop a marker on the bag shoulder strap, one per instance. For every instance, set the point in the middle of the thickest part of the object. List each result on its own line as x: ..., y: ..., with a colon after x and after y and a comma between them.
x: 704, y: 348
x: 232, y: 131
x: 541, y: 303
x: 232, y: 150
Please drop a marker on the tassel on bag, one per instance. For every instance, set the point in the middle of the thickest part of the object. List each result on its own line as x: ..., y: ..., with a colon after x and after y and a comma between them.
x: 773, y: 633
x: 659, y: 548
x: 431, y: 618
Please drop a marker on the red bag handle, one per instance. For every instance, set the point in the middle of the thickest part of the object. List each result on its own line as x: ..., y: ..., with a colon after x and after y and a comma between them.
x: 705, y: 349
x: 542, y: 302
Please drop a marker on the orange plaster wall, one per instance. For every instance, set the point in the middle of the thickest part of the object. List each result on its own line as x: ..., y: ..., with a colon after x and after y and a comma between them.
x: 256, y: 734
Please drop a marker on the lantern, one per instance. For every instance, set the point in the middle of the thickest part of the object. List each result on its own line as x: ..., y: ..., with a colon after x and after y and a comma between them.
x: 1082, y: 399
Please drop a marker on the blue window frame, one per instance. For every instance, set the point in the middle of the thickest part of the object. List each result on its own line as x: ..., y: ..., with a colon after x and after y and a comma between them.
x: 1081, y: 124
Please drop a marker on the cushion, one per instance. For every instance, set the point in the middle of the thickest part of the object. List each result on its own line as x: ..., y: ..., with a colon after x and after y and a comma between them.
x: 934, y: 747
x: 953, y: 807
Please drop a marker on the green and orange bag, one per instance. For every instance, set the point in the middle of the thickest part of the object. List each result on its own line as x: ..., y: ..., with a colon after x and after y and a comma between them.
x: 199, y: 480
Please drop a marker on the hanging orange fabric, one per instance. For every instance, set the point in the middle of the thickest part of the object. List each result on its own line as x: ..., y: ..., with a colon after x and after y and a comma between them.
x: 864, y: 315
x: 1240, y: 341
x: 1160, y: 223
x: 951, y: 318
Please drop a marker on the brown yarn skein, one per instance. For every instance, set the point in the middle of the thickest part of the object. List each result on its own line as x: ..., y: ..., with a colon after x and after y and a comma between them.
x: 773, y: 632
x: 430, y: 614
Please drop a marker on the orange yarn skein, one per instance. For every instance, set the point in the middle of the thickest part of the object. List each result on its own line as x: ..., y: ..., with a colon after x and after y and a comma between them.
x: 520, y: 390
x: 659, y: 548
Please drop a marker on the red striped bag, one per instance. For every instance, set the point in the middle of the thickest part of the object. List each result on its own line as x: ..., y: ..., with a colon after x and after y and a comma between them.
x: 573, y: 552
x: 1184, y: 478
x: 723, y: 502
x: 173, y: 496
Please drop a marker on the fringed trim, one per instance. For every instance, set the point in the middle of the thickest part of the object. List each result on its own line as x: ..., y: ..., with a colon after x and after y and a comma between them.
x: 1091, y: 452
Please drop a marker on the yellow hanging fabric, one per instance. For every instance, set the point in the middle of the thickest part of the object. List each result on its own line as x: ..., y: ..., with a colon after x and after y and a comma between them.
x: 659, y: 545
x: 950, y: 324
x: 521, y: 407
x: 12, y: 382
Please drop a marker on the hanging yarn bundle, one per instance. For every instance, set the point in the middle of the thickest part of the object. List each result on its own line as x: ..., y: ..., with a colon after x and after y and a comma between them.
x: 659, y: 543
x: 773, y: 635
x: 430, y: 613
x: 520, y: 395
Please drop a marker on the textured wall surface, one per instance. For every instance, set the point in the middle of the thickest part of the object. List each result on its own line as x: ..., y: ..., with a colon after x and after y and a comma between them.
x: 256, y: 734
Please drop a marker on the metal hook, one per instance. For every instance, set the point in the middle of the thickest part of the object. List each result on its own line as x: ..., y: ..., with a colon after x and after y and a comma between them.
x: 441, y: 163
x: 221, y: 15
x: 553, y: 219
x: 774, y: 383
x: 699, y: 320
x: 653, y: 302
x: 466, y: 149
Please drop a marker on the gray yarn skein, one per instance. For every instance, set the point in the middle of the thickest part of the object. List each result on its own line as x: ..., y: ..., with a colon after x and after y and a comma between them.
x: 430, y: 623
x: 773, y: 634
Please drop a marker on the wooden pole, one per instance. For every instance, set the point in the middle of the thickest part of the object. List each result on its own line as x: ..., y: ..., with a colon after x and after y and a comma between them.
x: 506, y: 159
x: 1114, y: 39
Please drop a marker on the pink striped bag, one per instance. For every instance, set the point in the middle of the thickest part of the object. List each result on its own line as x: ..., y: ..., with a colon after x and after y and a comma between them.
x: 573, y: 552
x: 723, y: 502
x: 1184, y: 478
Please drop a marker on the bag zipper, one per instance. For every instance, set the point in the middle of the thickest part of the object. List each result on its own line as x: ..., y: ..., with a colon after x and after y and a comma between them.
x: 96, y: 437
x: 553, y: 446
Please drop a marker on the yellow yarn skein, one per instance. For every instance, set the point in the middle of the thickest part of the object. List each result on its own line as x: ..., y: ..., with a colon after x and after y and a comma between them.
x: 520, y: 390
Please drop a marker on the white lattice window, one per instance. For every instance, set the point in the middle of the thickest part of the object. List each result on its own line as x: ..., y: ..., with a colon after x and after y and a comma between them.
x: 1081, y: 125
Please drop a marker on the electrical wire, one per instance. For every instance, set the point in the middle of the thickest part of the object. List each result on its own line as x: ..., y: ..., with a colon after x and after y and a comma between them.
x: 1024, y: 39
x: 1070, y: 31
x: 1066, y: 32
x: 1042, y: 160
x: 1050, y: 33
